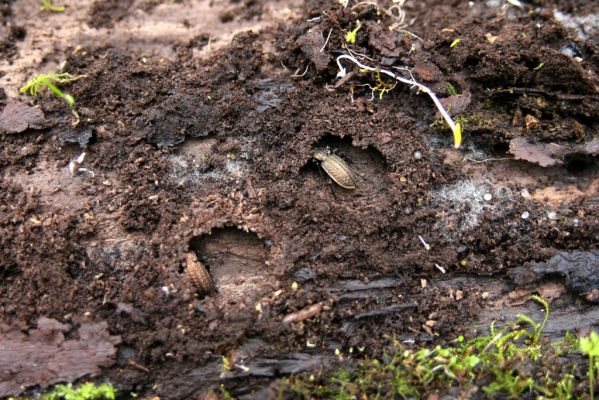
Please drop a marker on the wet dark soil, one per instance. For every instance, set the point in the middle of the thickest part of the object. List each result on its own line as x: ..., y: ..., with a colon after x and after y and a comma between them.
x: 213, y: 155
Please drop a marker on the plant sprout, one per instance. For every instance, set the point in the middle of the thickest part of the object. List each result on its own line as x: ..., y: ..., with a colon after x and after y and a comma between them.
x: 590, y: 345
x: 350, y: 37
x: 48, y: 5
x: 86, y: 391
x: 455, y: 43
x: 39, y: 82
x: 456, y: 128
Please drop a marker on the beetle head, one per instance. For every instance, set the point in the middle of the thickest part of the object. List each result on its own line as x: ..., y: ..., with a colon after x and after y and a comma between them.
x: 319, y: 154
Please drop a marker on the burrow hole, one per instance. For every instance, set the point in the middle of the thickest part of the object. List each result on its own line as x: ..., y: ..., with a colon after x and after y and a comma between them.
x: 236, y: 260
x: 368, y: 163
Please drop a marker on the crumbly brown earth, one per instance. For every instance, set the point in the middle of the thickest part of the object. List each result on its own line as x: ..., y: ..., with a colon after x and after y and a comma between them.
x: 198, y: 134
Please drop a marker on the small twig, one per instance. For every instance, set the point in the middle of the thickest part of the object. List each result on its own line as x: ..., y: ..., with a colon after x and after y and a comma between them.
x: 139, y: 366
x: 384, y: 311
x: 468, y: 158
x: 303, y: 314
x: 343, y: 80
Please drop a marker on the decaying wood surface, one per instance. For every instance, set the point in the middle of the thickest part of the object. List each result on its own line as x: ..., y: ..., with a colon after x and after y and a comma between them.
x: 43, y: 356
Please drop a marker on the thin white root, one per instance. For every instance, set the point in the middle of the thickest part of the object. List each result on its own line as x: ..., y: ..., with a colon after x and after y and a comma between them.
x: 326, y: 41
x: 296, y: 75
x: 456, y: 129
x: 395, y: 12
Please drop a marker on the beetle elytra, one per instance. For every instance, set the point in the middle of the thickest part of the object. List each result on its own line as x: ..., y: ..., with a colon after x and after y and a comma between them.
x: 336, y: 168
x: 198, y: 274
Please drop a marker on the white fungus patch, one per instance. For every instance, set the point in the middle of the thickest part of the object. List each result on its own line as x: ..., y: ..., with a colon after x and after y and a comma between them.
x: 464, y: 202
x: 191, y: 168
x: 185, y: 170
x: 585, y: 26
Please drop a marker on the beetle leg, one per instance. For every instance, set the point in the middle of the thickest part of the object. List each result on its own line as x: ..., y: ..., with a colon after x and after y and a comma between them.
x: 330, y: 182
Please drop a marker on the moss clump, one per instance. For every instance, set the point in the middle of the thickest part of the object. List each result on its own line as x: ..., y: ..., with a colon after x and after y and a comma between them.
x: 87, y: 391
x: 511, y: 363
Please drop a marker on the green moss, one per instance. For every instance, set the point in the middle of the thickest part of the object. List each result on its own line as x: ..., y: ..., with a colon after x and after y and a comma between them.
x: 48, y: 5
x: 225, y: 394
x: 451, y: 89
x: 87, y: 391
x: 589, y: 345
x: 510, y: 363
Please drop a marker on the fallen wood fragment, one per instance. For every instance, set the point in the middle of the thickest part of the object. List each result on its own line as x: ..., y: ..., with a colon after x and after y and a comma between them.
x: 303, y: 314
x: 43, y: 356
x: 384, y: 311
x: 293, y: 363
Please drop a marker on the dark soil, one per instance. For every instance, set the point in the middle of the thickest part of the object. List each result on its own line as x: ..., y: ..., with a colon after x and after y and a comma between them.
x: 214, y: 156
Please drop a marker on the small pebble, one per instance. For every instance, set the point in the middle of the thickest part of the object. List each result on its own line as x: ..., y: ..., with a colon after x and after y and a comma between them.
x: 525, y: 215
x: 552, y: 215
x: 525, y: 193
x: 462, y: 249
x: 487, y: 196
x: 305, y: 274
x: 417, y: 155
